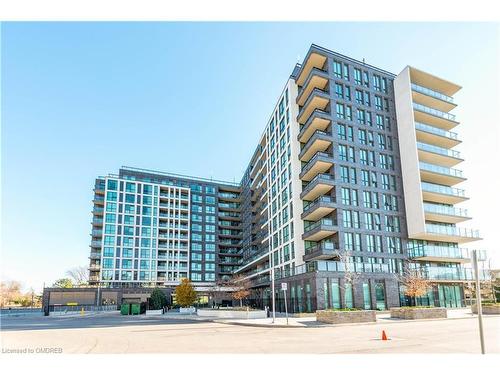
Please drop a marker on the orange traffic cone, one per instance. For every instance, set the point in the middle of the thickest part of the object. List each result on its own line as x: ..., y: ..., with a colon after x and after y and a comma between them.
x: 384, y: 336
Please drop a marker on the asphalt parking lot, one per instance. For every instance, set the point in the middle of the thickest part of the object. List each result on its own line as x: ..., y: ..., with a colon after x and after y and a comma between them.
x: 112, y: 333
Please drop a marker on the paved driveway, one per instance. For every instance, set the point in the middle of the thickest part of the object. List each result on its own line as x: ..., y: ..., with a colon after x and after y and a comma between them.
x: 112, y: 333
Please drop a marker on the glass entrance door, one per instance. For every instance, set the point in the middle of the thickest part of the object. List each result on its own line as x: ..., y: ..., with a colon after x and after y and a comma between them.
x: 450, y: 296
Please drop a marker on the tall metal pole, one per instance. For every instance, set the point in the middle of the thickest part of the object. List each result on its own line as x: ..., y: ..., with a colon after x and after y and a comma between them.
x: 286, y: 308
x: 478, y: 300
x: 272, y: 290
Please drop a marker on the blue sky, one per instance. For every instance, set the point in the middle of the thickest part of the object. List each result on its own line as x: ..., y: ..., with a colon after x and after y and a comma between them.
x: 81, y: 99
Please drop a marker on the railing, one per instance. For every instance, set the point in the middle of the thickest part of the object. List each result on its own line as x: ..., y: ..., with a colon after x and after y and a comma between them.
x: 320, y: 199
x: 439, y: 252
x: 430, y: 92
x: 311, y: 162
x: 433, y: 188
x: 322, y: 246
x: 442, y: 170
x: 316, y: 112
x: 95, y: 243
x: 98, y: 209
x: 452, y: 273
x: 326, y: 222
x: 436, y: 131
x: 438, y: 150
x: 335, y: 266
x: 314, y: 71
x: 451, y: 231
x: 311, y: 140
x: 311, y: 183
x: 434, y: 112
x: 445, y: 210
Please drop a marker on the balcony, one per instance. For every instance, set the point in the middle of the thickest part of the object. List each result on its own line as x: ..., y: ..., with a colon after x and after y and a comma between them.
x: 317, y: 79
x: 434, y: 117
x: 318, y: 99
x: 433, y: 253
x: 445, y: 233
x: 319, y: 230
x: 452, y: 273
x: 95, y: 244
x: 94, y: 267
x: 438, y: 155
x: 318, y: 208
x: 319, y: 185
x: 314, y: 60
x: 319, y: 142
x: 318, y: 120
x: 440, y: 175
x: 430, y: 134
x: 442, y: 194
x: 321, y: 251
x: 95, y: 255
x: 321, y: 162
x: 432, y: 98
x: 445, y: 214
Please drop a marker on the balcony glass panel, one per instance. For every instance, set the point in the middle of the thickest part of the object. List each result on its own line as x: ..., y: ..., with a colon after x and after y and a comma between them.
x: 434, y: 112
x: 451, y: 231
x: 436, y: 131
x: 434, y: 188
x: 442, y: 170
x: 445, y: 210
x: 439, y: 252
x: 438, y: 150
x: 430, y: 92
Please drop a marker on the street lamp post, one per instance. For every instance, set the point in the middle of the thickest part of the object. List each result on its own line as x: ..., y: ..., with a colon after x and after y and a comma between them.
x: 478, y: 300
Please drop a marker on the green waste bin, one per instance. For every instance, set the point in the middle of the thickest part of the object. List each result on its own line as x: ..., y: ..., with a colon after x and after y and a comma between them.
x: 135, y: 309
x: 125, y: 309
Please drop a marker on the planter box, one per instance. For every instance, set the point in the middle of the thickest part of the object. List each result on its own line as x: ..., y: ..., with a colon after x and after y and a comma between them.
x: 187, y: 310
x: 232, y: 314
x: 487, y: 310
x: 339, y: 317
x: 416, y: 313
x: 154, y: 312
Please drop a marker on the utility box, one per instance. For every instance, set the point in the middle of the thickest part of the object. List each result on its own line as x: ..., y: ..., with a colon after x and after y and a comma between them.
x: 125, y: 309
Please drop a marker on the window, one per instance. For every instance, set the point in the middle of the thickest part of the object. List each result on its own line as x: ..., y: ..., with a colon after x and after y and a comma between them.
x: 362, y: 136
x: 110, y: 218
x: 365, y: 178
x: 337, y: 69
x: 195, y: 276
x: 339, y: 90
x: 361, y: 116
x: 130, y: 187
x: 348, y: 241
x: 344, y: 174
x: 341, y: 131
x: 129, y: 198
x: 379, y: 121
x: 367, y: 98
x: 107, y: 262
x: 366, y: 79
x: 363, y: 156
x: 377, y: 83
x: 348, y: 112
x: 378, y: 102
x: 111, y: 196
x: 340, y: 110
x: 359, y: 97
x: 147, y: 189
x: 112, y: 185
x: 357, y: 76
x: 210, y: 276
x: 346, y: 72
x: 352, y: 157
x: 343, y: 152
x: 110, y: 229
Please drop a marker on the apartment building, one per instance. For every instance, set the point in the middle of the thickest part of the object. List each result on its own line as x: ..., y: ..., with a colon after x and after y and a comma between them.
x: 352, y: 181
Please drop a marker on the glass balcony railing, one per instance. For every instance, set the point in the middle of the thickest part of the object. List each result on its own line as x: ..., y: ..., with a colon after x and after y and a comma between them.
x: 325, y: 246
x: 436, y: 131
x: 319, y: 200
x: 441, y: 170
x: 451, y: 231
x: 444, y: 210
x: 452, y: 273
x: 430, y: 92
x: 313, y: 160
x: 439, y: 252
x: 440, y: 189
x: 434, y: 112
x: 317, y: 224
x: 438, y: 150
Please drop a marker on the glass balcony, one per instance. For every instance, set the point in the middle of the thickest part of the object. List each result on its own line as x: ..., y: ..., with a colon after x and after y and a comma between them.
x: 441, y: 170
x: 432, y: 252
x: 319, y: 185
x: 445, y: 210
x: 318, y: 142
x: 441, y: 189
x: 319, y: 163
x: 429, y: 92
x: 452, y: 273
x: 319, y: 230
x: 452, y: 231
x: 438, y: 150
x: 436, y: 131
x: 434, y: 112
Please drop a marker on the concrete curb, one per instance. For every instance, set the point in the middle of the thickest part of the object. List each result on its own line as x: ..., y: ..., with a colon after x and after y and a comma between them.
x: 257, y: 325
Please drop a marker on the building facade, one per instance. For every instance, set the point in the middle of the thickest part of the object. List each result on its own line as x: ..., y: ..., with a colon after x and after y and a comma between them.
x: 351, y: 183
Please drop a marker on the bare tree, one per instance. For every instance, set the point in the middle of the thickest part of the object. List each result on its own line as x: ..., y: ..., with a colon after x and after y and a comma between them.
x: 415, y: 284
x: 350, y: 273
x: 220, y: 289
x: 241, y: 288
x: 80, y: 275
x: 10, y: 291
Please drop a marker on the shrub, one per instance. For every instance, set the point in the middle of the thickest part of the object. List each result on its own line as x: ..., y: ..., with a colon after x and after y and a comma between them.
x: 185, y: 295
x: 157, y: 300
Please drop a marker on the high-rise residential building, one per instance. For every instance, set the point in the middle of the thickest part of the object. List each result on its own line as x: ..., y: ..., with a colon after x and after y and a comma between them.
x: 351, y: 183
